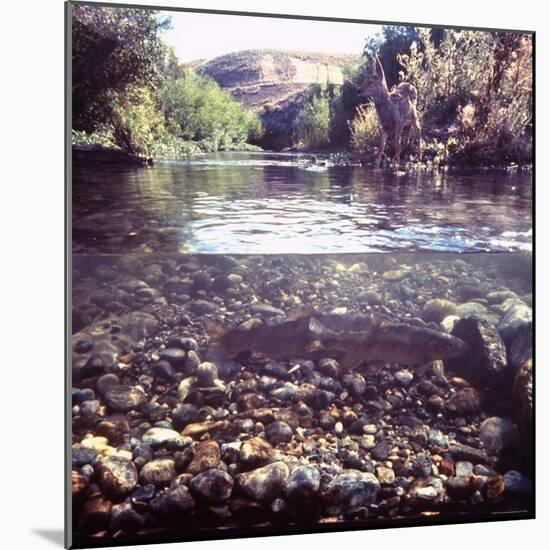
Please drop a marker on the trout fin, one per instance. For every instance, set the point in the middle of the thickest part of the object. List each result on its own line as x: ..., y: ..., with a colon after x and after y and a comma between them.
x: 352, y: 359
x: 216, y: 331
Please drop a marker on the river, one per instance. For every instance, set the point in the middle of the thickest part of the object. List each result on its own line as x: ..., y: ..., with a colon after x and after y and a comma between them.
x: 249, y: 203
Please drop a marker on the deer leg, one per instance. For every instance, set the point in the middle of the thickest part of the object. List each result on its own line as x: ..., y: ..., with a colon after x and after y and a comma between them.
x: 381, y: 145
x: 397, y: 144
x: 418, y: 135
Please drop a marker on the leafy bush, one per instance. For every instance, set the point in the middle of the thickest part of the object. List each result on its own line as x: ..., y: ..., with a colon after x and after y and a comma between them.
x: 137, y: 122
x: 312, y: 125
x: 365, y: 130
x: 102, y: 136
x: 476, y: 88
x: 197, y: 109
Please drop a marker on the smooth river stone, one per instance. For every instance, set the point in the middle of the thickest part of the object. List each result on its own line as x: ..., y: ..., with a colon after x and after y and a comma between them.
x: 264, y: 484
x: 207, y: 455
x: 158, y: 472
x: 162, y: 436
x: 212, y: 485
x: 124, y: 398
x: 117, y: 475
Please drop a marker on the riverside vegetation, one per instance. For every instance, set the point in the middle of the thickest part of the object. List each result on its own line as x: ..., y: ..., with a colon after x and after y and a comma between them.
x: 131, y: 92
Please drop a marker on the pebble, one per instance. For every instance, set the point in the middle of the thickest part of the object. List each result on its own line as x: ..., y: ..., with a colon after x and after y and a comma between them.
x: 207, y: 455
x: 498, y: 434
x: 158, y: 472
x: 173, y: 503
x: 381, y: 451
x: 157, y: 437
x: 403, y: 377
x: 117, y: 475
x: 464, y: 402
x: 183, y: 415
x: 303, y: 483
x: 206, y: 374
x: 125, y: 518
x: 266, y: 483
x: 124, y: 398
x: 436, y: 310
x: 386, y: 476
x: 106, y: 381
x: 255, y: 452
x: 174, y: 356
x: 212, y: 485
x: 163, y: 369
x: 265, y: 310
x: 353, y: 489
x: 278, y: 432
x: 463, y: 468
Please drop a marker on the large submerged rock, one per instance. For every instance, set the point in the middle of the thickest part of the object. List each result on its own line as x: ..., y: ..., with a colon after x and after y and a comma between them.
x: 485, y: 362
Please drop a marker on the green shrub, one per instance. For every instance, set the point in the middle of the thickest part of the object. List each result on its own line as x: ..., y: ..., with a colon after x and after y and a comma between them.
x: 365, y: 130
x: 476, y: 88
x: 197, y: 109
x: 312, y: 125
x: 102, y: 136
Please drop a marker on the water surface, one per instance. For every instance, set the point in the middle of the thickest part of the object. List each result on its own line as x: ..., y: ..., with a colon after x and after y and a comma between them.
x: 275, y: 203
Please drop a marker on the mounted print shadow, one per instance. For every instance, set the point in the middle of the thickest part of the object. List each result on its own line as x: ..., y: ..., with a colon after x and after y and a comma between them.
x: 301, y: 275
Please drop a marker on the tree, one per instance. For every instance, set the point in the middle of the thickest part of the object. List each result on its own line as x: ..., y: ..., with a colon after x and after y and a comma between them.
x: 113, y: 49
x: 388, y: 45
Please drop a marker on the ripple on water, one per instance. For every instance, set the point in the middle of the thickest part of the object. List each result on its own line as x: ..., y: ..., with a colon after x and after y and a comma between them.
x: 261, y: 203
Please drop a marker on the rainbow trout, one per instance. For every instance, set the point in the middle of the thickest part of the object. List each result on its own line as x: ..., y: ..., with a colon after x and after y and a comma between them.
x: 351, y: 340
x: 388, y: 341
x: 290, y: 338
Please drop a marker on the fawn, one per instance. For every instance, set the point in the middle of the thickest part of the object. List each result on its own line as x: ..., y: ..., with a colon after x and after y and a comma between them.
x: 396, y: 110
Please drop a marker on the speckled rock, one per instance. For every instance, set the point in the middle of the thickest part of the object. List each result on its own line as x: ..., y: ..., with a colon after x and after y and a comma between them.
x: 385, y: 476
x: 212, y: 485
x: 523, y: 402
x: 278, y: 432
x: 159, y: 472
x: 464, y: 402
x: 498, y: 434
x: 436, y: 310
x: 207, y: 455
x: 303, y: 483
x: 206, y: 374
x: 266, y: 483
x: 124, y: 398
x: 115, y: 428
x: 485, y: 362
x: 157, y: 437
x: 353, y: 489
x: 172, y: 502
x: 117, y: 475
x: 255, y: 452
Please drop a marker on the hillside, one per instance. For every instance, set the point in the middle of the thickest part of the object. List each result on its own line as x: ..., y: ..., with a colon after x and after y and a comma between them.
x: 274, y: 83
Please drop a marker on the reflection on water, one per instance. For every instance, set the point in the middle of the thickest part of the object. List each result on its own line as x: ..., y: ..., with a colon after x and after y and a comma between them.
x: 252, y: 203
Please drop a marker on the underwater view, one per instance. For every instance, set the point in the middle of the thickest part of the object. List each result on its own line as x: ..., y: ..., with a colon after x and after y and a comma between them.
x: 227, y: 393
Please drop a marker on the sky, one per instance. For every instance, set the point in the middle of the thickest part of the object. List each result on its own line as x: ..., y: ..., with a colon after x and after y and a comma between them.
x: 204, y: 36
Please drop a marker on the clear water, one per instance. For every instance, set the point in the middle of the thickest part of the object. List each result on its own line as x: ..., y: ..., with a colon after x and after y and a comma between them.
x: 285, y: 203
